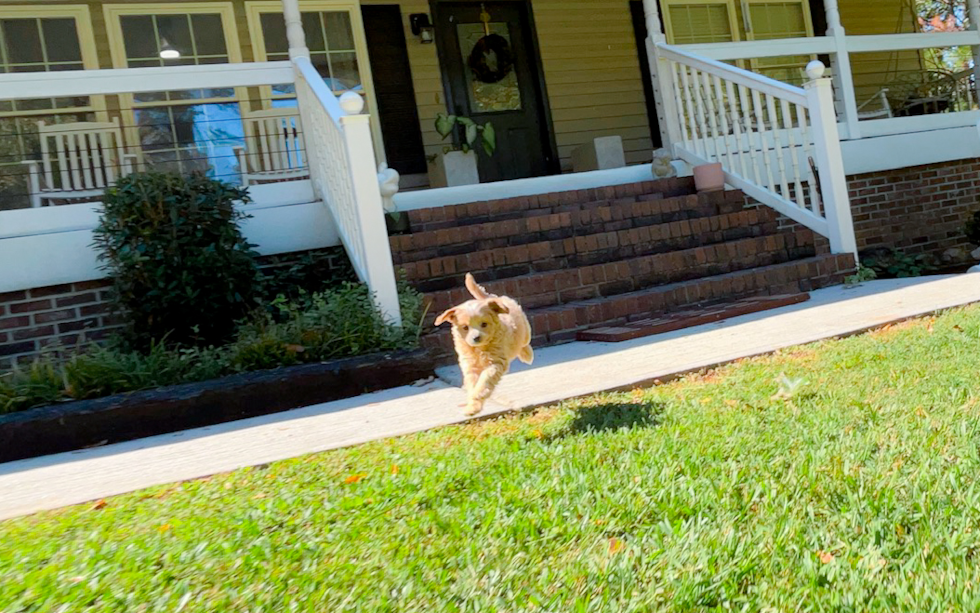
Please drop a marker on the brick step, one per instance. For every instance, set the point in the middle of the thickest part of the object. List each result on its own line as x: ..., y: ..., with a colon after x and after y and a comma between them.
x: 593, y: 249
x: 602, y: 280
x: 572, y: 220
x: 562, y: 323
x: 688, y: 318
x: 423, y: 220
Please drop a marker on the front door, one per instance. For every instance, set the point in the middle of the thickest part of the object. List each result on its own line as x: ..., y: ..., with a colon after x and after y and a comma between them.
x: 491, y: 73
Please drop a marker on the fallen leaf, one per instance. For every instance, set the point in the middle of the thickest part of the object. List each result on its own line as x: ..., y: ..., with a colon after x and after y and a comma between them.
x: 164, y: 528
x: 394, y: 469
x: 615, y: 545
x: 354, y: 479
x: 825, y: 557
x: 537, y: 434
x: 101, y: 504
x: 295, y: 348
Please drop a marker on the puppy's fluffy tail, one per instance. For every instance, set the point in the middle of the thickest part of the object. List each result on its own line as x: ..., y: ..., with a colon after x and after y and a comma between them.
x: 478, y: 292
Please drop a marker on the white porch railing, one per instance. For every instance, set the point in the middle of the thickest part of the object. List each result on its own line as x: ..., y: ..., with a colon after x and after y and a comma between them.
x: 777, y: 143
x: 344, y: 174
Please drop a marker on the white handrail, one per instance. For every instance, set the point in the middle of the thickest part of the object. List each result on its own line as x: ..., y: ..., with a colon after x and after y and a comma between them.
x: 344, y: 175
x: 137, y: 80
x: 777, y: 143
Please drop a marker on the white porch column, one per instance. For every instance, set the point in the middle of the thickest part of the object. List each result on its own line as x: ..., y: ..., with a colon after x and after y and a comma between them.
x: 973, y: 11
x: 294, y: 29
x: 843, y: 78
x: 663, y: 91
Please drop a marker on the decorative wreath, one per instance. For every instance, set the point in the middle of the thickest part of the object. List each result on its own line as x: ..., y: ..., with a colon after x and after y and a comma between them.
x: 491, y: 59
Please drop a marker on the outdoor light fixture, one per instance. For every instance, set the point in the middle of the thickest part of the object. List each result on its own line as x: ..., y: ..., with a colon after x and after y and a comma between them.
x: 167, y: 52
x: 422, y: 27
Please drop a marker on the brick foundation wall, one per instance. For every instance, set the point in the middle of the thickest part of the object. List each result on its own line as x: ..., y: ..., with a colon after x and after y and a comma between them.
x: 35, y: 320
x: 918, y: 210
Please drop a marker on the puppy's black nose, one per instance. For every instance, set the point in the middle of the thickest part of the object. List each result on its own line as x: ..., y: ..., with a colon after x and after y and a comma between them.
x: 476, y: 338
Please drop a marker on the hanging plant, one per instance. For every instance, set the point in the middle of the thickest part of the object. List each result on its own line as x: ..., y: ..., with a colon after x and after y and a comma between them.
x: 491, y: 59
x: 471, y: 132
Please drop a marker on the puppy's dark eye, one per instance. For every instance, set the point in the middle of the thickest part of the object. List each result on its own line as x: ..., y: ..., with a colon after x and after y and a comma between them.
x: 464, y: 328
x: 483, y: 325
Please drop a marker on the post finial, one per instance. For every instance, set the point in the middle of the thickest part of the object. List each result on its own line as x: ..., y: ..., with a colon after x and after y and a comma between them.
x: 352, y: 103
x: 815, y: 70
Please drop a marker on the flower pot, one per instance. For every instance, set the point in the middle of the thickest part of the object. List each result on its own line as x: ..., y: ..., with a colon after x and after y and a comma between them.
x: 454, y: 168
x: 709, y: 178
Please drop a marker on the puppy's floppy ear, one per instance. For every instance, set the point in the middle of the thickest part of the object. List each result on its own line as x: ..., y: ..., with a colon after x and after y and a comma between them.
x: 449, y: 315
x: 498, y: 307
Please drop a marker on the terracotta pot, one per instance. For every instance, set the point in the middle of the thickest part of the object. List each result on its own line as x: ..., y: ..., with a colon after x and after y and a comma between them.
x: 709, y: 178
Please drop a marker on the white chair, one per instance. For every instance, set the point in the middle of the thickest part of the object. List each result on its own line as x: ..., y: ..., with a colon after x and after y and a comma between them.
x: 274, y: 148
x: 78, y: 161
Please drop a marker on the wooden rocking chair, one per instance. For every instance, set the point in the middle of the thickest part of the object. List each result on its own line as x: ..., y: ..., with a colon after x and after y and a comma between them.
x: 78, y: 161
x: 274, y: 148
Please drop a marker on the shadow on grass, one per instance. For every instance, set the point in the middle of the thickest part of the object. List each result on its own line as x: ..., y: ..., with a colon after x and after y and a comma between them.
x: 611, y: 417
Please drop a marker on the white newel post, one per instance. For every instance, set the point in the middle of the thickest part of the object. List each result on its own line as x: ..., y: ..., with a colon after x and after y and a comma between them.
x: 378, y: 269
x: 294, y: 29
x: 663, y: 90
x: 843, y: 77
x: 829, y: 161
x: 973, y: 11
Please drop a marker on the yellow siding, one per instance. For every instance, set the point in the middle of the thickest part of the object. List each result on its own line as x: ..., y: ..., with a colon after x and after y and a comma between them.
x: 872, y: 71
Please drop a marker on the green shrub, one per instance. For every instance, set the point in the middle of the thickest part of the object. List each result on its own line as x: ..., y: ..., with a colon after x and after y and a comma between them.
x: 316, y: 271
x: 182, y: 270
x: 896, y: 264
x: 972, y: 229
x: 327, y: 325
x: 339, y: 323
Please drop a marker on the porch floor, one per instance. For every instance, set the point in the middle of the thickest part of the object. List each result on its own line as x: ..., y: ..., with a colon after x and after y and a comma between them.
x: 559, y: 373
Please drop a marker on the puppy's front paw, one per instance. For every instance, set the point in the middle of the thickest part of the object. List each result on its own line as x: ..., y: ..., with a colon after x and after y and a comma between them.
x: 474, y: 407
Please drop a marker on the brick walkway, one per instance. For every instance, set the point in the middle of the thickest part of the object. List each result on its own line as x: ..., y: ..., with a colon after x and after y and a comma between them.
x: 559, y: 373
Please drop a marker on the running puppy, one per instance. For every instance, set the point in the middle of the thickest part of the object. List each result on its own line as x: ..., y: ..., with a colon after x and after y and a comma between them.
x: 488, y: 333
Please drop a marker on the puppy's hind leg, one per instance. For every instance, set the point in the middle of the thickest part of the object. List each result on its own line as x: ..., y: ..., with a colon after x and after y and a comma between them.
x: 484, y: 387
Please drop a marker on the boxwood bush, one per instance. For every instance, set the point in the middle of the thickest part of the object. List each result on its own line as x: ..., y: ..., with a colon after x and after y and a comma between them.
x: 182, y: 271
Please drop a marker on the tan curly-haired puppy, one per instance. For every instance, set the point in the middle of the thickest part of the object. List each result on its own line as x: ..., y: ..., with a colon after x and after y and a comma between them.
x: 489, y: 332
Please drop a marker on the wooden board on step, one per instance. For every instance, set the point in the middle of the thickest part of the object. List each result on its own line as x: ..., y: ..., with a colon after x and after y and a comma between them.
x: 689, y: 318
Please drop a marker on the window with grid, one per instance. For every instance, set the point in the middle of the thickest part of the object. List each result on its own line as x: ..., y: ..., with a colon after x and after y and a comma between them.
x: 188, y: 130
x: 35, y: 43
x: 701, y: 22
x: 781, y: 19
x: 330, y: 38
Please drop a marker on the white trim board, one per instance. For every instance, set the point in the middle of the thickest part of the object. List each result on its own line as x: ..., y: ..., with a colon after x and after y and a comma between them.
x: 40, y: 260
x: 447, y: 196
x: 910, y: 150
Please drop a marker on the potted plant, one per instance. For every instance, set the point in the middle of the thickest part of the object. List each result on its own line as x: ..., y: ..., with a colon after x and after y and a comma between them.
x: 457, y: 164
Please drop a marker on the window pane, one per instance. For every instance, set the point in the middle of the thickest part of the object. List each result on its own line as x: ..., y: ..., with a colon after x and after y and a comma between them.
x: 139, y: 38
x: 319, y: 61
x: 22, y: 39
x: 487, y: 97
x: 274, y: 33
x: 193, y: 138
x: 61, y: 40
x: 314, y: 31
x: 208, y: 35
x: 344, y: 71
x: 176, y: 30
x: 339, y: 34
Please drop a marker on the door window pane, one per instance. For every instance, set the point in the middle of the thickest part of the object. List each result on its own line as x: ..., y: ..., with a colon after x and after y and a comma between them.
x: 494, y: 88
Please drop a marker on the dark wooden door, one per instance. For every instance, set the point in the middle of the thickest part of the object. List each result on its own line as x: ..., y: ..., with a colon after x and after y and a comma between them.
x: 640, y: 33
x: 393, y: 88
x: 512, y: 100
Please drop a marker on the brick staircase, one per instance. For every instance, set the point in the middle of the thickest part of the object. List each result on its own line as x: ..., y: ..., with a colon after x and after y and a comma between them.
x: 577, y: 260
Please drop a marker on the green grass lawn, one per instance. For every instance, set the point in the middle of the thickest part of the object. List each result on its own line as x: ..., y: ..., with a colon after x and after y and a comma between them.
x: 856, y: 490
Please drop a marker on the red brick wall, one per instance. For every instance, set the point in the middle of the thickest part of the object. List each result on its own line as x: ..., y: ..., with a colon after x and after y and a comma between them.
x: 920, y: 209
x: 32, y: 320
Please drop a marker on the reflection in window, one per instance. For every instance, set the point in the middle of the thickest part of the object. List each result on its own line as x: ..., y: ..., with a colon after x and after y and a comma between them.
x: 503, y: 95
x: 331, y: 42
x: 190, y: 130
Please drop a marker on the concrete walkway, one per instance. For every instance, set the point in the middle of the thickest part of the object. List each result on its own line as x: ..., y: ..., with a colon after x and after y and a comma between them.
x: 559, y: 373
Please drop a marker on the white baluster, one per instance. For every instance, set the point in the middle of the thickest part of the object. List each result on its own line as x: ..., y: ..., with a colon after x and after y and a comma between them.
x: 760, y: 120
x: 777, y: 145
x: 743, y: 96
x: 793, y: 157
x: 689, y: 103
x: 726, y: 131
x: 736, y: 113
x: 843, y: 76
x: 712, y: 110
x: 702, y: 121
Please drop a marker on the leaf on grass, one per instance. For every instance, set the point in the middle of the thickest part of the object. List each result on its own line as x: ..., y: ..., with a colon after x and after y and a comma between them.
x: 295, y: 348
x: 537, y: 434
x: 165, y: 528
x: 615, y: 545
x: 354, y: 479
x: 394, y: 469
x: 99, y: 504
x: 825, y: 556
x: 258, y: 496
